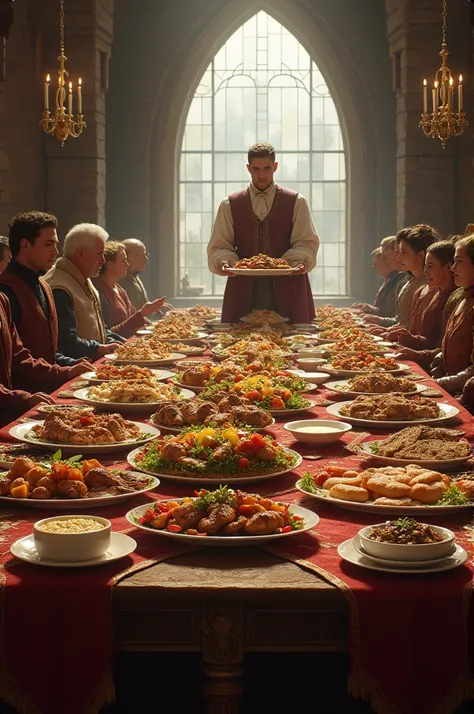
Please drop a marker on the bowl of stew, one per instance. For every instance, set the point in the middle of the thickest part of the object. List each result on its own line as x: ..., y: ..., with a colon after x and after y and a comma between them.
x: 406, y: 539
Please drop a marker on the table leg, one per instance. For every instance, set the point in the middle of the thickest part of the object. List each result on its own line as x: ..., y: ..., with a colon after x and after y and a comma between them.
x: 223, y: 658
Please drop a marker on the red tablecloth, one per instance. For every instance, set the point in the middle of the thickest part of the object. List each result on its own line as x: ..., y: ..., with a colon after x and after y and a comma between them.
x: 409, y: 641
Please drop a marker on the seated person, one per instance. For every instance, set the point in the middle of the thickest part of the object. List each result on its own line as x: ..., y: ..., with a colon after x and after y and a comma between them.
x: 81, y: 328
x: 454, y: 366
x: 433, y: 303
x: 33, y: 243
x: 5, y: 253
x: 388, y: 266
x: 119, y: 314
x: 18, y: 367
x: 137, y: 259
x: 412, y: 245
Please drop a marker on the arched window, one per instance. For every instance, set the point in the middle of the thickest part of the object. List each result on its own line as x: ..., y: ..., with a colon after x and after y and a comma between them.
x: 263, y: 86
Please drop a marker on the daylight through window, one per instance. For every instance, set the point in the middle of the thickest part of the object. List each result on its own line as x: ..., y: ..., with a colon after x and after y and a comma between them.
x: 263, y: 86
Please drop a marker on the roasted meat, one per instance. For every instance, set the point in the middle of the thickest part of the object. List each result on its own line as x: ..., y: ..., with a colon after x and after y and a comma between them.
x: 263, y: 523
x: 220, y: 515
x: 187, y: 515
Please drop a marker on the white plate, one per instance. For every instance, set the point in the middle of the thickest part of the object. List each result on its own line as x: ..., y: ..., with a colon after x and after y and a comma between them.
x: 348, y: 552
x: 433, y: 464
x: 378, y: 350
x: 448, y: 412
x: 290, y: 412
x: 146, y: 363
x: 221, y: 356
x: 128, y: 407
x: 23, y: 433
x: 355, y: 373
x: 326, y: 341
x: 267, y: 272
x: 371, y: 507
x: 159, y: 374
x: 185, y: 340
x: 186, y: 386
x: 191, y: 351
x: 409, y: 564
x: 221, y: 478
x: 339, y: 388
x: 64, y: 504
x: 145, y: 332
x: 178, y: 429
x: 120, y: 546
x: 311, y: 520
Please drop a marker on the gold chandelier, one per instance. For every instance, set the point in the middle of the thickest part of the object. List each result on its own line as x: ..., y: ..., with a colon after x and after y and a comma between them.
x: 444, y: 121
x: 63, y: 123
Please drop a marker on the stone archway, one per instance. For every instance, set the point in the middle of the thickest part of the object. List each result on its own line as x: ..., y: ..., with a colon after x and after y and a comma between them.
x: 173, y: 92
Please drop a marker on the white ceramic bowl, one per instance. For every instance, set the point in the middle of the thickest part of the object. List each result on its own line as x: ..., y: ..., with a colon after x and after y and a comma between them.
x: 311, y: 353
x: 317, y: 431
x: 310, y: 364
x: 72, y: 547
x: 396, y: 551
x: 315, y: 377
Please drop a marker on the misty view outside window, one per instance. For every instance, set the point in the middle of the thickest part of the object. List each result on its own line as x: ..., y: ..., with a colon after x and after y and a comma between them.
x: 263, y: 86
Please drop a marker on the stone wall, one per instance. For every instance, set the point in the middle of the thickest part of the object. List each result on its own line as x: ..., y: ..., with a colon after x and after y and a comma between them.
x: 35, y: 171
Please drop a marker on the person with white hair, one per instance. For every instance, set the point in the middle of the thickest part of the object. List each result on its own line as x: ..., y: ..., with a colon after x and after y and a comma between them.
x: 82, y: 332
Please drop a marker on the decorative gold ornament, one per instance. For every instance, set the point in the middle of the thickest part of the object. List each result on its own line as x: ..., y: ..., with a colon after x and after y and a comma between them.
x: 444, y: 121
x: 63, y: 123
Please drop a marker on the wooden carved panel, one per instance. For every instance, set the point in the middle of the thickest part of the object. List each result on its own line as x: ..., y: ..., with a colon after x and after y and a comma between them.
x: 223, y: 634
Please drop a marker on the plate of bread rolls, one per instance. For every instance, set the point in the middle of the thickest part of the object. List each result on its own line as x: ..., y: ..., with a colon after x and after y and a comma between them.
x: 403, y: 490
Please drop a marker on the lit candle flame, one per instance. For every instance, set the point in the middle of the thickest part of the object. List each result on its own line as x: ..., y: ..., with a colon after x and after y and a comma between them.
x: 79, y: 81
x: 425, y: 83
x: 451, y: 81
x: 460, y: 79
x: 48, y: 78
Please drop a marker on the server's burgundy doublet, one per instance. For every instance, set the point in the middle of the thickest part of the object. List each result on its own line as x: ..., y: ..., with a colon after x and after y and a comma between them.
x: 271, y: 236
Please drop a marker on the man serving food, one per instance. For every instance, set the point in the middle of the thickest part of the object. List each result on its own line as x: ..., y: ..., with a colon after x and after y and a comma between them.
x: 264, y: 219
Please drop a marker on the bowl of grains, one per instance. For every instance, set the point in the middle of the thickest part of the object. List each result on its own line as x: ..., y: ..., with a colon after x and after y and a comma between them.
x: 72, y: 538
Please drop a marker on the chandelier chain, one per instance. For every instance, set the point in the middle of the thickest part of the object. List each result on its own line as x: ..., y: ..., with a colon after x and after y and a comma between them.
x: 61, y: 25
x: 445, y: 21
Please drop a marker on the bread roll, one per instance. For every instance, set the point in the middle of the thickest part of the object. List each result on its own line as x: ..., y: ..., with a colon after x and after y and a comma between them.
x: 391, y: 489
x: 428, y: 492
x: 335, y: 480
x: 346, y: 492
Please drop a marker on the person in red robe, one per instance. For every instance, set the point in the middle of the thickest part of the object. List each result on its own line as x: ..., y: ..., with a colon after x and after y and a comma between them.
x: 454, y: 365
x: 432, y: 303
x: 270, y: 219
x: 120, y: 316
x: 18, y: 367
x: 33, y: 242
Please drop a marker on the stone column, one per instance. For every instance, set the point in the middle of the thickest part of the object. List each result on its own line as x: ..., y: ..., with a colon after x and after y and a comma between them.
x: 429, y: 177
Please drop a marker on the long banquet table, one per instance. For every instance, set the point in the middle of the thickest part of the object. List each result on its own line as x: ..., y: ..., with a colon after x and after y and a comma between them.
x: 292, y: 595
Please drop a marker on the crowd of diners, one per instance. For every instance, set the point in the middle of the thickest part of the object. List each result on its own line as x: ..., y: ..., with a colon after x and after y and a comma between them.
x: 60, y: 313
x: 425, y: 304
